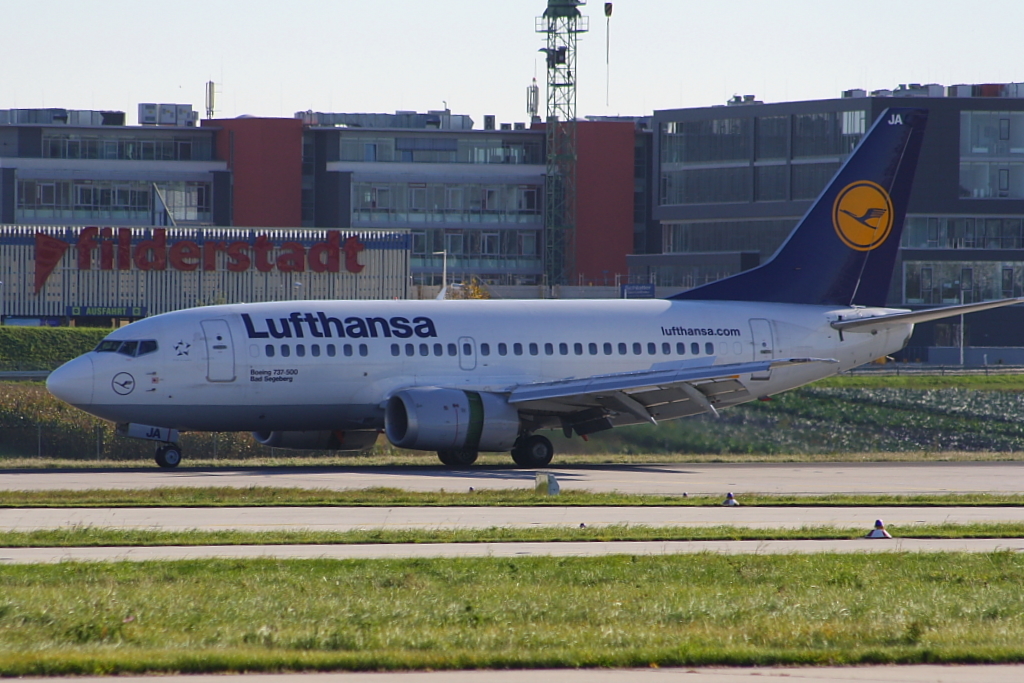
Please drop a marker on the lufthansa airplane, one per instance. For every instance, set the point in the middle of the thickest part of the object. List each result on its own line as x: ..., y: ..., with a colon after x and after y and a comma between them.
x: 460, y: 377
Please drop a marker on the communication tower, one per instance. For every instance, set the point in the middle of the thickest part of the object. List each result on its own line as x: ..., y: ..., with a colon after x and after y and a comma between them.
x: 561, y: 25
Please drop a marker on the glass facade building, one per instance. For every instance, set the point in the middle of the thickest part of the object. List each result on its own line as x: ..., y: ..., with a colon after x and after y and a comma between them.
x: 114, y: 174
x: 736, y: 179
x: 475, y: 196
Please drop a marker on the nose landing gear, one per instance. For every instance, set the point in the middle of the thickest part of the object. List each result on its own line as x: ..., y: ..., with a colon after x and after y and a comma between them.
x: 168, y: 456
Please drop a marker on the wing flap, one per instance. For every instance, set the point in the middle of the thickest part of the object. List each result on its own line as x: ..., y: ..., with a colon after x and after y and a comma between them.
x: 600, y: 402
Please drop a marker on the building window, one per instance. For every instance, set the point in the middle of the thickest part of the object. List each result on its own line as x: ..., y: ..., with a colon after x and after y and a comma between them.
x: 810, y: 179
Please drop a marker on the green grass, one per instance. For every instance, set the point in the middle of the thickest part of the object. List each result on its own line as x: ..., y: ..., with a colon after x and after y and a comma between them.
x: 392, y: 497
x: 1007, y: 382
x: 619, y: 611
x: 93, y: 537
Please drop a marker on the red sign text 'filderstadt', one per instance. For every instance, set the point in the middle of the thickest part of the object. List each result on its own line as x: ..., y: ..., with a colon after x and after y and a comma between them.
x: 113, y: 249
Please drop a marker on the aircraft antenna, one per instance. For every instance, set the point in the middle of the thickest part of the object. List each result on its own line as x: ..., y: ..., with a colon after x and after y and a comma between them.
x: 561, y: 25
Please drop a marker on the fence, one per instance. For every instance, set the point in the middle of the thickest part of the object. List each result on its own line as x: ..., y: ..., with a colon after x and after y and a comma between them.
x: 101, y: 442
x: 908, y: 369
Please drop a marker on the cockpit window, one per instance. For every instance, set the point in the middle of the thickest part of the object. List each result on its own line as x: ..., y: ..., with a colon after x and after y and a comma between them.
x: 129, y: 348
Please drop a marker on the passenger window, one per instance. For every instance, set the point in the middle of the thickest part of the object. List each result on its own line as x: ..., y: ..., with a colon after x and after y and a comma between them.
x: 607, y: 349
x: 622, y: 349
x: 347, y: 349
x: 363, y: 350
x: 563, y: 349
x: 592, y: 347
x: 709, y: 348
x: 666, y: 348
x: 315, y: 350
x: 410, y: 350
x: 533, y: 349
x: 270, y: 350
x: 395, y: 350
x: 517, y: 349
x: 577, y: 349
x: 737, y: 348
x: 129, y: 348
x: 453, y: 350
x: 695, y: 348
x: 330, y: 350
x: 637, y: 348
x: 485, y: 349
x: 438, y: 350
x: 681, y: 348
x: 424, y: 349
x: 285, y: 350
x: 549, y: 349
x: 148, y: 346
x: 108, y: 346
x: 467, y: 349
x: 652, y: 348
x: 502, y: 349
x: 300, y: 350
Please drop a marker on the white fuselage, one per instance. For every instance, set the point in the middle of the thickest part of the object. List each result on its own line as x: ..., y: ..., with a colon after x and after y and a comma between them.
x: 314, y: 365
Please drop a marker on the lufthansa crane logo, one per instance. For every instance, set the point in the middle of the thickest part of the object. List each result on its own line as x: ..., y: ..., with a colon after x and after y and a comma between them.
x: 863, y: 215
x: 123, y: 383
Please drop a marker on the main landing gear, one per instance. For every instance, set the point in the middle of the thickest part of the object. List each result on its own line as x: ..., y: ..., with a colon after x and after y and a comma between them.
x: 529, y: 451
x: 457, y: 458
x: 168, y: 456
x: 533, y: 451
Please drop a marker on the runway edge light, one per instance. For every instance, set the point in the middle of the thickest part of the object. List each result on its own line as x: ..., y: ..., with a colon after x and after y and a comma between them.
x: 879, y: 531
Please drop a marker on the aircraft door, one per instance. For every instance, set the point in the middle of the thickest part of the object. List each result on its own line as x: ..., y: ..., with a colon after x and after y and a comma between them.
x: 764, y: 346
x: 467, y: 353
x: 220, y: 352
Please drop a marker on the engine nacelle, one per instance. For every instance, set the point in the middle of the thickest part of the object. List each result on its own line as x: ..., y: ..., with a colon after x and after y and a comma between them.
x: 435, y: 419
x: 325, y: 440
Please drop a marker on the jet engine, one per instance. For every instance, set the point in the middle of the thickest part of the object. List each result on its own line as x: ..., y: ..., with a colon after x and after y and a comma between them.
x: 435, y: 419
x: 320, y: 440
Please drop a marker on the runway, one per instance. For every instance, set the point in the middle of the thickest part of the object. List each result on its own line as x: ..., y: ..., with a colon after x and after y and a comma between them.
x: 392, y: 551
x: 668, y: 479
x: 340, y: 519
x: 1008, y: 673
x: 713, y: 479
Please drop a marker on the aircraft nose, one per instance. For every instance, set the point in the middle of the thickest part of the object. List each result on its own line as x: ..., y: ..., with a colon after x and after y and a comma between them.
x: 72, y: 382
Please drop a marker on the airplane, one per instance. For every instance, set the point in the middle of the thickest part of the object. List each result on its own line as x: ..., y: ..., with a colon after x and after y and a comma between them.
x: 461, y: 377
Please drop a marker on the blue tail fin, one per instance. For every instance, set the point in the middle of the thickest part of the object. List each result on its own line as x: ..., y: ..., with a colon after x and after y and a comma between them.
x: 844, y: 249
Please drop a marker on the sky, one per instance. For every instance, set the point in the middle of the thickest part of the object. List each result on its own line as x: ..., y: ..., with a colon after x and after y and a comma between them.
x: 479, y: 56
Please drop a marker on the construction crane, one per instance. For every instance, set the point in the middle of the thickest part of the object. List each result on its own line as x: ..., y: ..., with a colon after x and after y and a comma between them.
x: 561, y: 24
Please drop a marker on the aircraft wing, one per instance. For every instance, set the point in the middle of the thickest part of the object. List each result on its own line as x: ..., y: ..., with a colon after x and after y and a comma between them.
x: 591, y: 404
x: 877, y: 322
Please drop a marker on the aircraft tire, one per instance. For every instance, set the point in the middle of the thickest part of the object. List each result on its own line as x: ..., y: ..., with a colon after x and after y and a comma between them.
x: 168, y: 456
x: 533, y: 451
x: 457, y: 458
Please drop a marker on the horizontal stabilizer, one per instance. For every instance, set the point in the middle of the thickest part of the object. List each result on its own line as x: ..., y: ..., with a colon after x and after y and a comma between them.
x: 913, y: 317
